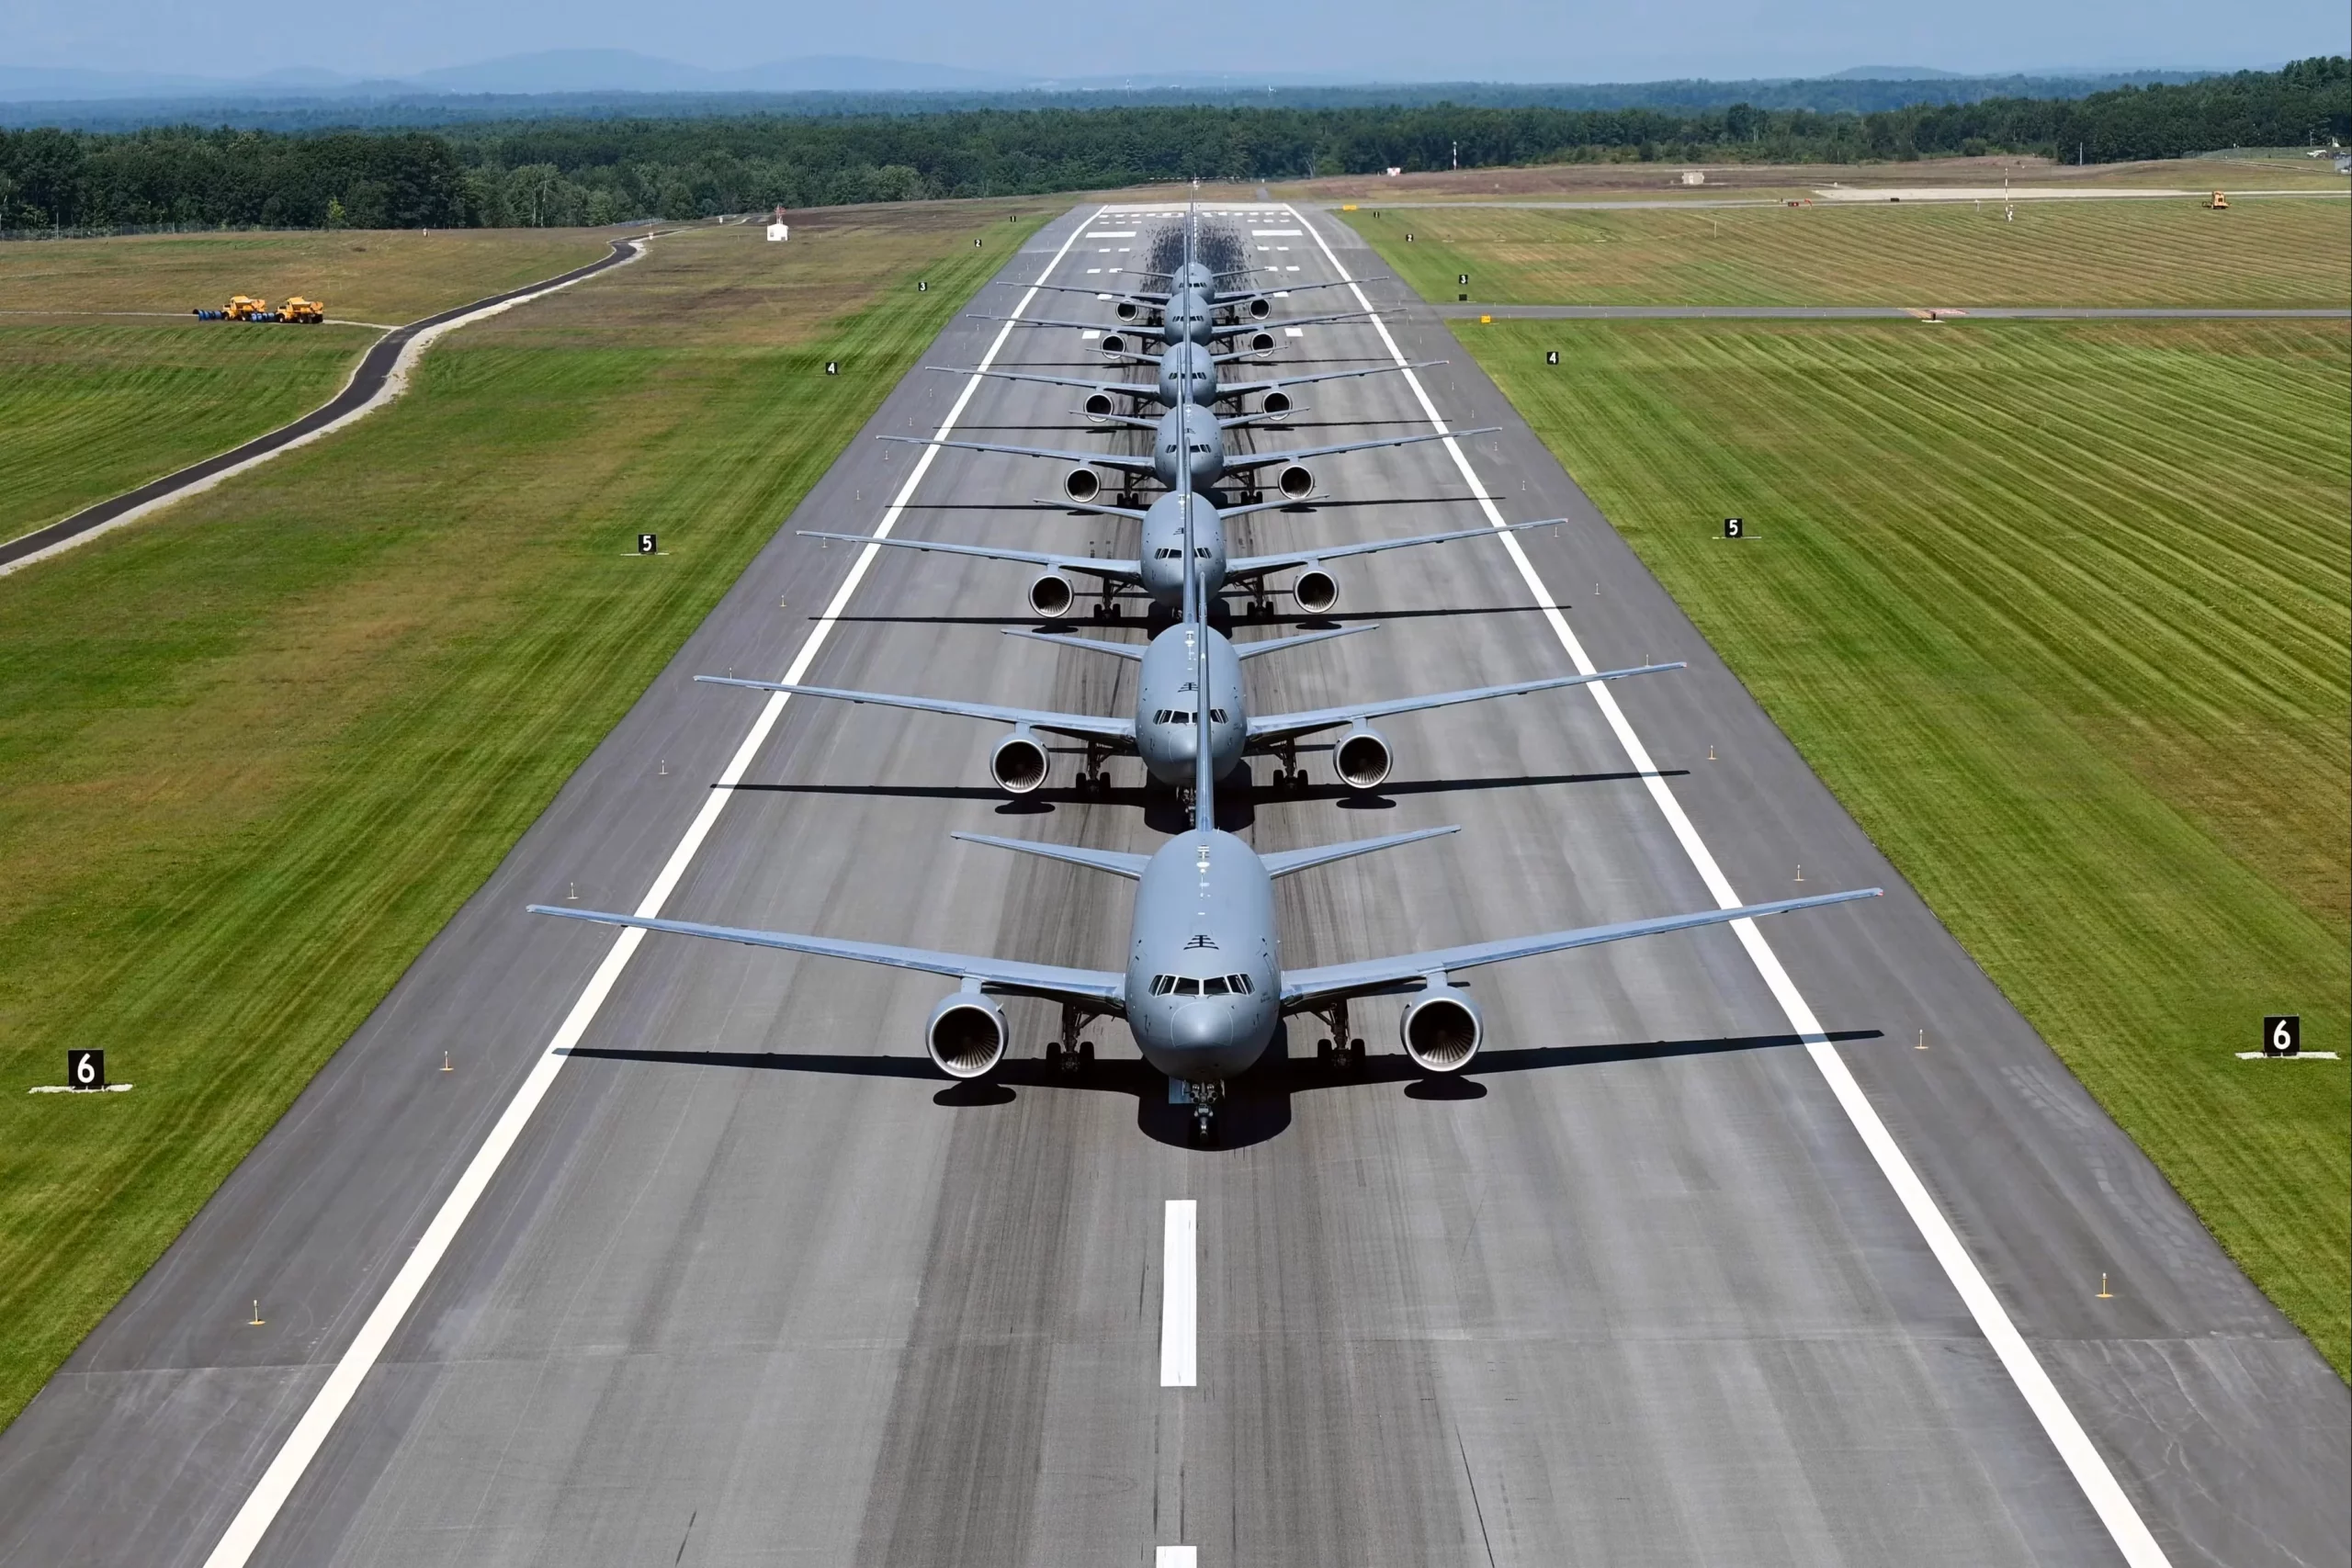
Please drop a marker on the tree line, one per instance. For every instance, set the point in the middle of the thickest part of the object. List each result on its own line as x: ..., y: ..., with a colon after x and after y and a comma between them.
x: 567, y: 171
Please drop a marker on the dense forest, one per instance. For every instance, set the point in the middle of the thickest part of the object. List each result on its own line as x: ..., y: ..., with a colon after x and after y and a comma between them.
x: 555, y: 172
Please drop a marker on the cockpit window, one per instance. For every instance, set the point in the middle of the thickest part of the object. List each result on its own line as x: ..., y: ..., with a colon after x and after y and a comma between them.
x: 1214, y: 986
x: 1187, y: 986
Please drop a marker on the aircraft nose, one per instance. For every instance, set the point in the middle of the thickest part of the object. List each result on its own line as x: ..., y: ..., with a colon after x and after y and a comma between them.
x: 1198, y: 1026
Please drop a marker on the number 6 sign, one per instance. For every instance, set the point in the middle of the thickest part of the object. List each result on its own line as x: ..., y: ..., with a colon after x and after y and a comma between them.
x: 85, y: 1070
x: 2282, y: 1034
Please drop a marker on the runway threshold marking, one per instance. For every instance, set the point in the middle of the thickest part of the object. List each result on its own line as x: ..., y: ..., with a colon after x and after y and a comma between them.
x: 262, y: 1505
x: 1175, y: 1557
x: 1180, y: 1300
x: 2083, y: 1458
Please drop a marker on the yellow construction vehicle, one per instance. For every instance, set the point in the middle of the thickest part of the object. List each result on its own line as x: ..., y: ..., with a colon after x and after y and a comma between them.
x: 2220, y: 203
x: 311, y: 312
x: 243, y: 308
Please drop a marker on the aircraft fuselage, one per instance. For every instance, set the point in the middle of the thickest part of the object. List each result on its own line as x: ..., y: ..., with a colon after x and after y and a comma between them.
x: 1203, y: 979
x: 1168, y: 695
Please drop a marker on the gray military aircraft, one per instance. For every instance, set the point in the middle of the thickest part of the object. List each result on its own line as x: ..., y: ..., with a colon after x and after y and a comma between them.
x: 1158, y: 571
x: 1188, y: 438
x: 1204, y: 989
x: 1160, y: 730
x: 1187, y: 372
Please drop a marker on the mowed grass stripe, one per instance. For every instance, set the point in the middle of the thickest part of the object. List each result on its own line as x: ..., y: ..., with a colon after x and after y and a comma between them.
x: 253, y: 755
x: 2073, y: 658
x: 2277, y: 252
x: 88, y: 411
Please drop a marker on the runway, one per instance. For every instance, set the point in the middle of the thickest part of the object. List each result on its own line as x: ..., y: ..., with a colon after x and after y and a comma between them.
x: 379, y: 377
x: 752, y: 1283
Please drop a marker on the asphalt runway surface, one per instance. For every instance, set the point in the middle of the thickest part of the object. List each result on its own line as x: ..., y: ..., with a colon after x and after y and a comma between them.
x: 756, y: 1284
x: 368, y: 380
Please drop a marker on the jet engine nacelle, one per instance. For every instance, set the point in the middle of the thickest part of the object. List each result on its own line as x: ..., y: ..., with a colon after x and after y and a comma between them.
x: 1098, y: 405
x: 1262, y: 343
x: 1441, y: 1031
x: 1276, y: 404
x: 1361, y: 758
x: 1018, y: 765
x: 1051, y: 596
x: 1082, y: 485
x: 1127, y: 310
x: 1315, y: 590
x: 1114, y: 343
x: 1295, y: 481
x: 966, y: 1035
x: 1260, y: 308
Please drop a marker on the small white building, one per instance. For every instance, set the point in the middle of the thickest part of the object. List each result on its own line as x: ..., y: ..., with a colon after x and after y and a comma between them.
x: 1394, y: 170
x: 1694, y: 176
x: 779, y: 230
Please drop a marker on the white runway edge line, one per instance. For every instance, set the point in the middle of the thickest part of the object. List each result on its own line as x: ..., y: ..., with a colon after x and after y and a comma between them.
x: 268, y: 1496
x: 395, y: 383
x: 2099, y: 1483
x: 1179, y: 1298
x: 1175, y: 1557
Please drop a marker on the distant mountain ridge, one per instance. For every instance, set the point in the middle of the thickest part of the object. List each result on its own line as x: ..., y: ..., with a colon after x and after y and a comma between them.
x: 609, y: 71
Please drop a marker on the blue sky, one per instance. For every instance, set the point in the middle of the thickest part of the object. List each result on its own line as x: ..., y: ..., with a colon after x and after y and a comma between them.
x: 1482, y: 39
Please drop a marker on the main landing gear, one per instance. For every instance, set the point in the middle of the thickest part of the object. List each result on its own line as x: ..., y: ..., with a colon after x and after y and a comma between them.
x: 1070, y: 1055
x: 1343, y: 1053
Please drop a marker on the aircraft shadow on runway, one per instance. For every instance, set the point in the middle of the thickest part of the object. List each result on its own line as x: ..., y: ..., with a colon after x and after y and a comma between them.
x: 1257, y: 1106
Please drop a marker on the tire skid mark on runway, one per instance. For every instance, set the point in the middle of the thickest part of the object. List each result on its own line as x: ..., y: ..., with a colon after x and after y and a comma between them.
x: 262, y: 1505
x: 2083, y: 1458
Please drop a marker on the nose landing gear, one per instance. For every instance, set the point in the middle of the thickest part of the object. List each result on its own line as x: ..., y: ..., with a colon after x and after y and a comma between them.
x: 1202, y: 1096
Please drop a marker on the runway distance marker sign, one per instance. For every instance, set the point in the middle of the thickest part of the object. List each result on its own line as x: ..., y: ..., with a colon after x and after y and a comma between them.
x: 2282, y: 1034
x: 85, y: 1070
x: 833, y: 366
x: 647, y: 545
x: 1551, y: 357
x: 1735, y: 527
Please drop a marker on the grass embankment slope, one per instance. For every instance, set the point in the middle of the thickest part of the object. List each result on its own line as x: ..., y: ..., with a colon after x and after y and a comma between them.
x: 97, y: 397
x: 2278, y: 252
x: 253, y: 754
x: 2059, y: 611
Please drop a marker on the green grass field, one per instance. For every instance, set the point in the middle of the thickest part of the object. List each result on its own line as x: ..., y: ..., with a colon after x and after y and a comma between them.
x: 2275, y: 251
x: 2059, y: 611
x: 255, y: 752
x: 109, y: 384
x: 89, y: 410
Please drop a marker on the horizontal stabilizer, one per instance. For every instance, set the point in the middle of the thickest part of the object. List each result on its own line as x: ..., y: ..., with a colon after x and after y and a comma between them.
x: 1113, y: 861
x: 1283, y: 862
x: 1276, y: 645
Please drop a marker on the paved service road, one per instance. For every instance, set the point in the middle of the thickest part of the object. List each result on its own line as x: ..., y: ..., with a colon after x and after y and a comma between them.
x: 756, y: 1284
x: 367, y: 384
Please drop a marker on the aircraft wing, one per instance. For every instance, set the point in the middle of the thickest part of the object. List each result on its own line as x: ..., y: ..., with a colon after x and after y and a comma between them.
x: 1302, y: 987
x: 1270, y: 325
x: 1050, y: 980
x: 1247, y: 566
x: 1243, y: 461
x: 1282, y: 862
x: 1084, y: 727
x: 1151, y: 297
x: 1284, y: 726
x: 1114, y: 570
x: 1241, y: 388
x: 1133, y: 389
x: 1098, y: 459
x: 1049, y: 322
x: 1231, y: 297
